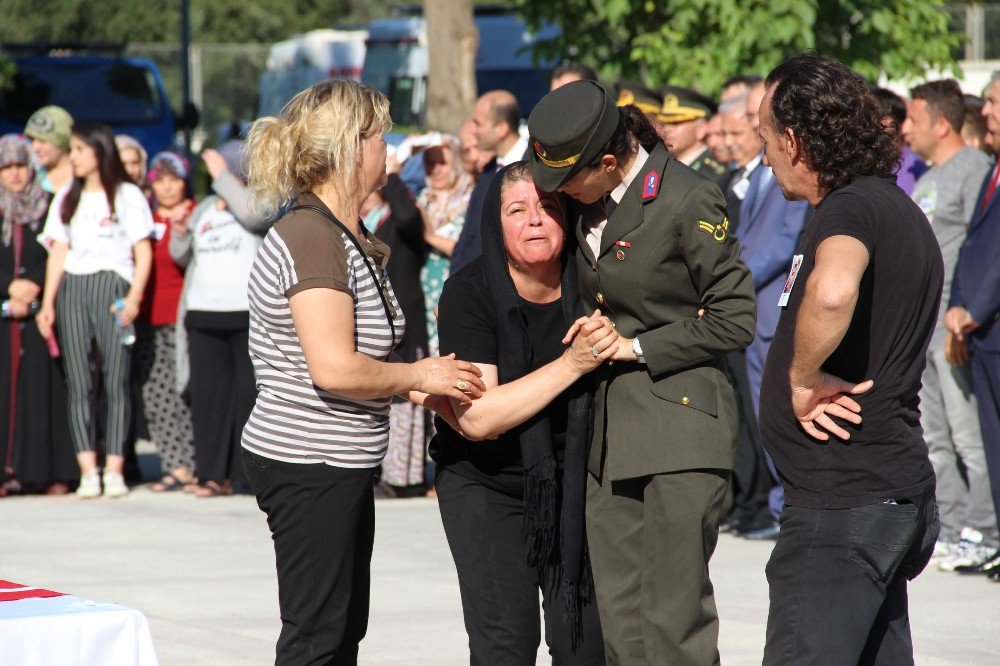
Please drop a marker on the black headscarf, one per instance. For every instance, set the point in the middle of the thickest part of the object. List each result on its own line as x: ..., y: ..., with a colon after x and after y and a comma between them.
x: 562, y: 561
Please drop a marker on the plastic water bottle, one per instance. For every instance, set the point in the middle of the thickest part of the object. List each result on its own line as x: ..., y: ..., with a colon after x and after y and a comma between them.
x: 126, y: 333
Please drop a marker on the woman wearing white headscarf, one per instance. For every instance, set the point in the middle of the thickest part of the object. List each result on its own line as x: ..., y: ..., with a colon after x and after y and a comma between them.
x: 443, y: 204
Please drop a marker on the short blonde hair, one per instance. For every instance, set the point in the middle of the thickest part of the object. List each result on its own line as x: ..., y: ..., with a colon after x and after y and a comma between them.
x: 316, y: 138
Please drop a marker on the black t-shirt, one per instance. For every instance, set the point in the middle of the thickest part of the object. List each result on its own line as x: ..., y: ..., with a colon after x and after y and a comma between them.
x: 467, y: 326
x: 886, y: 457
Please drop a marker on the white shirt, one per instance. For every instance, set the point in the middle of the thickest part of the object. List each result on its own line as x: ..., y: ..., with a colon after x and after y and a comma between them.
x: 740, y: 187
x: 225, y: 254
x: 97, y: 240
x: 595, y: 227
x: 515, y: 154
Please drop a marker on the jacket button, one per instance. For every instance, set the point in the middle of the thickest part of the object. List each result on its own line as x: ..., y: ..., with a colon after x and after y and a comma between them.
x: 600, y: 298
x: 685, y: 401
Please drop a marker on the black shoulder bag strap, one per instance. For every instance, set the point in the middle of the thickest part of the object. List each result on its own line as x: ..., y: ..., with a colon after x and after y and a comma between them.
x: 389, y: 311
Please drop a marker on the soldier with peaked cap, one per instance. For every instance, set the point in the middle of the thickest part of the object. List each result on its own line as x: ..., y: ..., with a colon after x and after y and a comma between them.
x: 653, y: 247
x: 646, y: 100
x: 684, y: 116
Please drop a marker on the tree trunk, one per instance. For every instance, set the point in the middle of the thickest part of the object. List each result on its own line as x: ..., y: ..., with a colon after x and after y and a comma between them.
x: 452, y: 43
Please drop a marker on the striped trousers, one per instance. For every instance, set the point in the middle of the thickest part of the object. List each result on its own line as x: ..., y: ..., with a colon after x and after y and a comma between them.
x: 83, y: 317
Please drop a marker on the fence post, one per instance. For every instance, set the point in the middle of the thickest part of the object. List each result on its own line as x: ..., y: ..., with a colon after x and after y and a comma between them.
x: 975, y: 30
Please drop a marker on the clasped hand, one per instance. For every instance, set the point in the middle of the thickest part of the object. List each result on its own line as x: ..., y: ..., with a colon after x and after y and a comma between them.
x: 593, y: 340
x: 826, y: 397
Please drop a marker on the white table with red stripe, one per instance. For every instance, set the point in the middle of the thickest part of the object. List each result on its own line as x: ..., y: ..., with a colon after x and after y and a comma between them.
x: 40, y: 627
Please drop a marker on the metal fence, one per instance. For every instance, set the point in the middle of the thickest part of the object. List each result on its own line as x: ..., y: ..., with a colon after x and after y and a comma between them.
x: 224, y: 80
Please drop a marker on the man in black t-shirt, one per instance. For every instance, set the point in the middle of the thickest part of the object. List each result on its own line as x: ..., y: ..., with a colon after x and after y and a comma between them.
x: 838, y: 407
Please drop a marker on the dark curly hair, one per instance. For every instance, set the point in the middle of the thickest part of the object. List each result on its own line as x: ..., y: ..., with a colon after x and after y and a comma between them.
x: 833, y: 113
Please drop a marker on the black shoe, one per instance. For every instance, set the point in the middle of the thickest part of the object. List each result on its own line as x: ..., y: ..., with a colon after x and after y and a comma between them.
x: 991, y: 565
x: 729, y: 524
x: 768, y: 533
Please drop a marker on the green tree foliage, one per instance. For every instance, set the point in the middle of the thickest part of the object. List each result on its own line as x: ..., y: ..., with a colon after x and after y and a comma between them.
x: 701, y: 42
x: 116, y: 21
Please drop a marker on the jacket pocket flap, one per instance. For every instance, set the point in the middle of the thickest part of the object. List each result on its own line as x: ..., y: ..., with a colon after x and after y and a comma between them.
x: 689, y: 390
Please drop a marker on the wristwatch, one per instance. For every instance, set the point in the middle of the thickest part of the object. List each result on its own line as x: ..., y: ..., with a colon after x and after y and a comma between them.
x: 637, y: 350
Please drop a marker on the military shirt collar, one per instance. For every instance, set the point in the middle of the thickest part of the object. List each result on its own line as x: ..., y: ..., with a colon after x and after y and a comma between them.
x: 640, y: 161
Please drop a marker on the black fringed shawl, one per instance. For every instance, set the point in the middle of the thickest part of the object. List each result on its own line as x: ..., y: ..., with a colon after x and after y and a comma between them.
x: 546, y: 514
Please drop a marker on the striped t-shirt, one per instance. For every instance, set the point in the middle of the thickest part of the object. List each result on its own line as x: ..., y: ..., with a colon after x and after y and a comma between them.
x: 294, y: 420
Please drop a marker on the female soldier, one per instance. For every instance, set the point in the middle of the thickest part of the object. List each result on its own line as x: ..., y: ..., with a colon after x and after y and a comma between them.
x: 654, y: 248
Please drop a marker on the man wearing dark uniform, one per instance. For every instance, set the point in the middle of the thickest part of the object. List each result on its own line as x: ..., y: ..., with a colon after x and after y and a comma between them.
x: 684, y: 115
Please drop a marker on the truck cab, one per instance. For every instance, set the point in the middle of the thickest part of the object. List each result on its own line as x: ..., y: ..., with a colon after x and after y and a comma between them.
x: 125, y: 93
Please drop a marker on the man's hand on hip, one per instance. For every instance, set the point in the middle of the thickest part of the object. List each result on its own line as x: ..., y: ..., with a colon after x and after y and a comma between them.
x: 816, y: 403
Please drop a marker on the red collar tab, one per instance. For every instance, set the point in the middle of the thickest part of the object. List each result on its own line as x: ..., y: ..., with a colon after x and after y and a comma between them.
x: 650, y: 185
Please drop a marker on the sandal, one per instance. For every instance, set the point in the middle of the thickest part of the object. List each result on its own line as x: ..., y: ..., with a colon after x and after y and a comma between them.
x: 192, y: 485
x: 168, y: 484
x: 214, y: 489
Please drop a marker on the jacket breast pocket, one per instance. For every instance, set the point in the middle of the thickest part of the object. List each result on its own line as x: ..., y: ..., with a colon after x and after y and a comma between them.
x: 689, y: 390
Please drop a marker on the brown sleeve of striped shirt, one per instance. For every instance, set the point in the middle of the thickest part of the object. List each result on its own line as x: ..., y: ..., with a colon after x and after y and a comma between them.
x: 318, y: 253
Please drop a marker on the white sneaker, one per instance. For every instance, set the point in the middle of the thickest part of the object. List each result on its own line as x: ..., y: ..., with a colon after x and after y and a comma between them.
x: 90, y: 486
x: 114, y: 485
x: 970, y: 551
x: 943, y: 549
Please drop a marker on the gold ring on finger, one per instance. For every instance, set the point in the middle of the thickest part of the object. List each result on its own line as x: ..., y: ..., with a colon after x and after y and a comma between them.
x: 462, y: 385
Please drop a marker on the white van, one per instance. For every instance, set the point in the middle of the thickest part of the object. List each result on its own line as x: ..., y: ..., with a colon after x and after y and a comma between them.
x: 297, y: 63
x: 396, y: 61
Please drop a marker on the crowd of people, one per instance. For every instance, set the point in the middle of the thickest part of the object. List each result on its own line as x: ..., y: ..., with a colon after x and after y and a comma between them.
x: 120, y: 285
x: 642, y: 300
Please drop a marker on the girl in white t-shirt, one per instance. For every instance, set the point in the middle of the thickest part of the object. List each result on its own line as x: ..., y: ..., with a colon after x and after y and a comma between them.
x: 97, y: 233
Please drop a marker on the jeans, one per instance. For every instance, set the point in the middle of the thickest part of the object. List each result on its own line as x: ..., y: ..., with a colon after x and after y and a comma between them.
x: 838, y: 581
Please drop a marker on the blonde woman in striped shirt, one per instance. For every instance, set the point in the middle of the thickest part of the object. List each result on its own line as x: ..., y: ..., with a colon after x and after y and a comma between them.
x: 323, y: 323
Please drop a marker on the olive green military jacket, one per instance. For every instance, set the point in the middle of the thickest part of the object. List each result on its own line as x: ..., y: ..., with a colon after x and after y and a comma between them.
x: 665, y: 253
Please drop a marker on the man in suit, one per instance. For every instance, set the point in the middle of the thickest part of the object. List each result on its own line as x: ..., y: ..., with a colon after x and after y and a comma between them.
x: 974, y: 309
x: 769, y: 230
x: 496, y: 120
x: 744, y: 147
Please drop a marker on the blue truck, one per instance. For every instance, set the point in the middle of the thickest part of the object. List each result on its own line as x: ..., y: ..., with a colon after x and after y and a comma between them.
x: 125, y: 93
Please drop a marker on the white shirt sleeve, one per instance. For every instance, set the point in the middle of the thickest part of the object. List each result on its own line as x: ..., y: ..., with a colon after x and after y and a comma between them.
x: 54, y: 230
x: 133, y: 213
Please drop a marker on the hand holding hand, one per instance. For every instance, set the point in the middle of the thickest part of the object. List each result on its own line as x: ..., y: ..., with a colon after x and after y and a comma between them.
x: 959, y: 321
x: 25, y: 290
x: 595, y: 340
x: 826, y: 397
x: 956, y: 350
x: 450, y: 377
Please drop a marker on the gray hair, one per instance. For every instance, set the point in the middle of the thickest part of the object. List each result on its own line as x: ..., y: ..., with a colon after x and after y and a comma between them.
x: 734, y: 105
x: 995, y: 76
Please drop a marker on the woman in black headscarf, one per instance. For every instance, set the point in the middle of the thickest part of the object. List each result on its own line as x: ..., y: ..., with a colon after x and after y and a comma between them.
x: 35, y: 449
x: 513, y: 507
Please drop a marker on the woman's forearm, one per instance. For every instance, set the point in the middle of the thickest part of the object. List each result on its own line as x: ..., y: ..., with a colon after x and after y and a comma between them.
x: 361, y: 377
x: 143, y: 254
x: 54, y: 269
x: 443, y: 245
x: 508, y: 405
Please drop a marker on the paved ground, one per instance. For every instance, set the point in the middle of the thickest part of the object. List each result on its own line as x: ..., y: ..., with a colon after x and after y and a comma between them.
x: 203, y: 573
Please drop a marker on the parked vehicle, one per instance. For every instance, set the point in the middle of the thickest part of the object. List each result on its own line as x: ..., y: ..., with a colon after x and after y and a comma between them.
x: 396, y: 60
x: 297, y: 63
x: 124, y: 93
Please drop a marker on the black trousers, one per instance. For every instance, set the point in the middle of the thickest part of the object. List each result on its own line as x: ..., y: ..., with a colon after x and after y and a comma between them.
x: 838, y: 582
x: 752, y: 480
x: 499, y: 589
x: 223, y: 391
x: 322, y: 521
